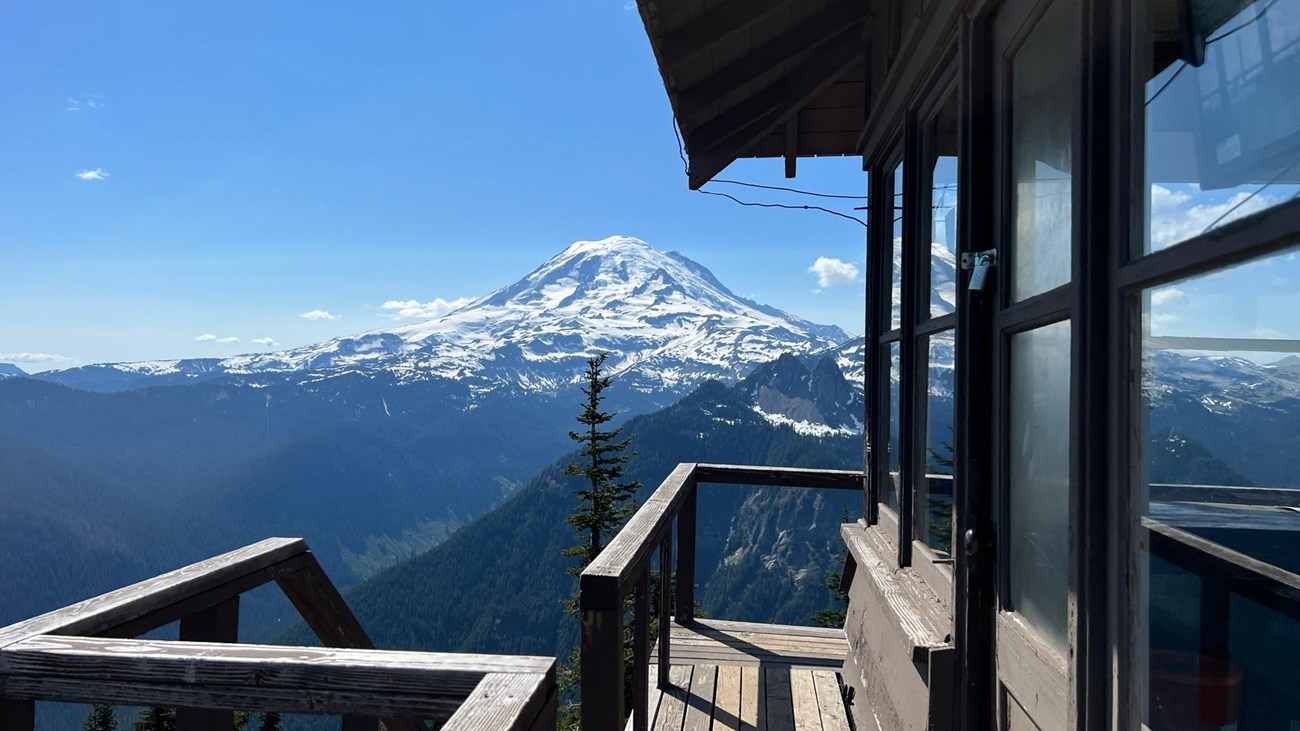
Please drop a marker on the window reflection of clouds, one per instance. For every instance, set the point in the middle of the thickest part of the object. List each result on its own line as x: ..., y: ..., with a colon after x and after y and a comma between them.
x: 1255, y: 300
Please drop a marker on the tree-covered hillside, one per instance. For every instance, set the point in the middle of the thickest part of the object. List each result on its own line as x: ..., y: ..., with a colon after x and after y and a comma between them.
x: 497, y: 584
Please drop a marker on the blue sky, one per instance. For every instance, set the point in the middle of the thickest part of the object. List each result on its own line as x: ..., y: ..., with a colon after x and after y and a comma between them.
x: 174, y: 170
x: 184, y: 179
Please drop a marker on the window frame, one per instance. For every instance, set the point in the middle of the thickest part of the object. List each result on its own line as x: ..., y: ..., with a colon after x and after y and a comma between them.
x: 911, y: 148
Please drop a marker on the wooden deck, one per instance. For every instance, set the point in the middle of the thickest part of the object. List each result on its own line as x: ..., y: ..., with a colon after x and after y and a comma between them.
x: 738, y: 675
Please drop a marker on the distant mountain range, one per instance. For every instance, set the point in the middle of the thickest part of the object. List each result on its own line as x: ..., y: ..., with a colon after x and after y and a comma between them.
x: 666, y: 322
x: 378, y: 446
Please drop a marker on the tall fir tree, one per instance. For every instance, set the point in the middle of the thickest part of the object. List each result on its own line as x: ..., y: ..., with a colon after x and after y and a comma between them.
x: 605, y: 502
x: 270, y: 722
x: 101, y: 718
x: 156, y: 718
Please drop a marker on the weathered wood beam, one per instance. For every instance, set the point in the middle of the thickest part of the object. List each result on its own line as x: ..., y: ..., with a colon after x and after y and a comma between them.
x: 732, y: 474
x: 802, y: 39
x: 214, y: 579
x: 602, y: 668
x: 253, y: 677
x: 507, y: 702
x: 684, y: 607
x: 791, y: 146
x: 219, y: 623
x: 611, y: 573
x: 716, y: 25
x: 716, y: 144
x: 322, y: 607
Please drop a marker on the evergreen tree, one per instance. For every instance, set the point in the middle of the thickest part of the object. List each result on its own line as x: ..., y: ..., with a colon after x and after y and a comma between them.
x: 834, y: 615
x: 101, y: 718
x: 605, y: 502
x: 156, y: 718
x: 241, y: 720
x: 270, y: 722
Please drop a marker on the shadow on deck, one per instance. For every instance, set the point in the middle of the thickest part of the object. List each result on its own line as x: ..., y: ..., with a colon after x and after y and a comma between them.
x: 739, y: 675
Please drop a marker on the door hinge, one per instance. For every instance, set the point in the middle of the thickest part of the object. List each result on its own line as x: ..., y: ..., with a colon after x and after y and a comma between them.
x: 979, y: 263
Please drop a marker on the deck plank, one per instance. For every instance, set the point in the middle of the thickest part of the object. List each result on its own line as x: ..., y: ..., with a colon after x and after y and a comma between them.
x: 835, y: 717
x: 734, y: 676
x: 776, y: 686
x: 699, y: 706
x: 751, y: 694
x: 726, y: 704
x: 728, y: 625
x: 803, y: 695
x: 672, y: 704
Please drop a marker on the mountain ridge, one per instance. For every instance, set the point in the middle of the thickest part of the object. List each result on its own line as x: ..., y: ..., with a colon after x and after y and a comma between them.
x: 666, y: 321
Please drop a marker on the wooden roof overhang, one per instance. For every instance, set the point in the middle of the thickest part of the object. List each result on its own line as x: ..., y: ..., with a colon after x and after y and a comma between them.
x: 761, y: 78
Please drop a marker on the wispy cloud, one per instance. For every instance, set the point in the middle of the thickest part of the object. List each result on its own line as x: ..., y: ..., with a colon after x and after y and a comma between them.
x: 1177, y: 215
x: 408, y: 309
x: 84, y: 103
x: 268, y: 342
x: 833, y: 272
x: 95, y: 174
x: 319, y: 315
x: 210, y: 338
x: 1168, y: 297
x: 35, y: 358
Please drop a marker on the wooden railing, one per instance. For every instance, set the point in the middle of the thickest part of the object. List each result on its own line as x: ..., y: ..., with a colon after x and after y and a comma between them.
x: 625, y: 566
x: 1223, y: 572
x: 82, y: 653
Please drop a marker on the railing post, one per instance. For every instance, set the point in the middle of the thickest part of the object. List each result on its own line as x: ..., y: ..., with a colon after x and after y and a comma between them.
x: 602, y: 661
x: 218, y: 623
x: 685, y: 609
x: 641, y: 652
x: 665, y: 604
x: 17, y: 715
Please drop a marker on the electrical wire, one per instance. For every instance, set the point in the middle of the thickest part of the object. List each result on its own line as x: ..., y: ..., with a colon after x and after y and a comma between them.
x: 790, y: 190
x: 1248, y: 198
x: 785, y: 206
x: 686, y: 167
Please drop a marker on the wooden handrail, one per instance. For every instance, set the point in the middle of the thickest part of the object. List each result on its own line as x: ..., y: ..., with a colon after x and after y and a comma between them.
x: 1261, y: 580
x: 730, y: 474
x: 624, y: 567
x: 266, y: 677
x: 79, y: 653
x: 152, y: 603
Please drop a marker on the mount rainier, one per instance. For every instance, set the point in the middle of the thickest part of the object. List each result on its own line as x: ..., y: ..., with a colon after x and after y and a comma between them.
x: 667, y: 323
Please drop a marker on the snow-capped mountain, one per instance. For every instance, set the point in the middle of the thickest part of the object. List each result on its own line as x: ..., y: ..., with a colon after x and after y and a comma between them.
x: 666, y: 322
x: 9, y: 370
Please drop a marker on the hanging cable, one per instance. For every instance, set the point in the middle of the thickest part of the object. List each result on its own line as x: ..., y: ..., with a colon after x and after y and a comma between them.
x: 681, y: 153
x: 788, y: 207
x: 790, y: 190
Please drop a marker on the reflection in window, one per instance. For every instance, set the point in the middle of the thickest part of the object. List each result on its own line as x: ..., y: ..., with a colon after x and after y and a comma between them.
x: 889, y: 494
x: 942, y: 146
x: 933, y: 508
x: 1222, y: 136
x: 1221, y: 393
x: 1039, y: 472
x: 896, y: 254
x: 1042, y: 78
